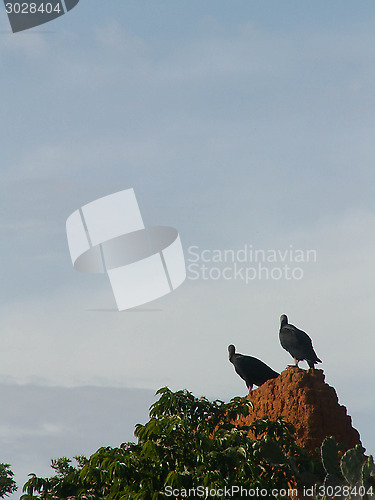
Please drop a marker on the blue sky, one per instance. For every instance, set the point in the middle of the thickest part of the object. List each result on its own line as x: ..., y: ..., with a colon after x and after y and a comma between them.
x: 242, y: 122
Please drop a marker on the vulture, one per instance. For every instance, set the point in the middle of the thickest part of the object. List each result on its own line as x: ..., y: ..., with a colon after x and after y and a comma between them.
x: 251, y: 370
x: 297, y: 343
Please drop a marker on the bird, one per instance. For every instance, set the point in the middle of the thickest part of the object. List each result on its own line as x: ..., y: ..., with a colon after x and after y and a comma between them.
x: 251, y: 370
x: 297, y: 343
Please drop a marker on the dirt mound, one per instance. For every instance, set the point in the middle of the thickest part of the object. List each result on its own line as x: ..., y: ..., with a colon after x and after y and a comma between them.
x: 304, y: 399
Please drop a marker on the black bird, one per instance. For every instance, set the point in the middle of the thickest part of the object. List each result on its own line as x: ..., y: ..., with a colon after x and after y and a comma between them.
x: 297, y: 343
x: 251, y: 370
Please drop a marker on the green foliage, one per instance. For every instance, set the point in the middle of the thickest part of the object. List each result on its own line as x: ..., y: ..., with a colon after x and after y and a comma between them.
x: 7, y: 484
x: 191, y: 442
x: 187, y: 442
x: 351, y: 464
x: 352, y: 475
x: 66, y: 483
x: 329, y: 453
x: 368, y: 473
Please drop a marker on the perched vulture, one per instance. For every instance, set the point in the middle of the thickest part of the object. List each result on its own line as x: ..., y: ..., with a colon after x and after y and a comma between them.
x: 251, y: 370
x: 297, y: 343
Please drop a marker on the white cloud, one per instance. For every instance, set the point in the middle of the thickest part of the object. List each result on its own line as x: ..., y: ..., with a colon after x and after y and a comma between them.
x: 243, y: 135
x: 43, y: 423
x: 72, y: 337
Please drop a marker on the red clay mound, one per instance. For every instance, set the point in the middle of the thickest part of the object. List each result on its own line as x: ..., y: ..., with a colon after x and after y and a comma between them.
x: 304, y: 399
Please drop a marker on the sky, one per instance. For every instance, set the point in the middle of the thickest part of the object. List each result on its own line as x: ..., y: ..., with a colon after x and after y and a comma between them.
x: 243, y: 124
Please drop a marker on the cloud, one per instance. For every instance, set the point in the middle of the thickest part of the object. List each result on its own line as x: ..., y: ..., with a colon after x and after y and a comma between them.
x: 90, y: 341
x: 231, y: 136
x: 43, y: 423
x: 236, y: 134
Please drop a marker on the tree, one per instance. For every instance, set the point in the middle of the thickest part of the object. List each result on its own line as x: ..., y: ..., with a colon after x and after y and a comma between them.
x: 188, y: 444
x: 7, y: 484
